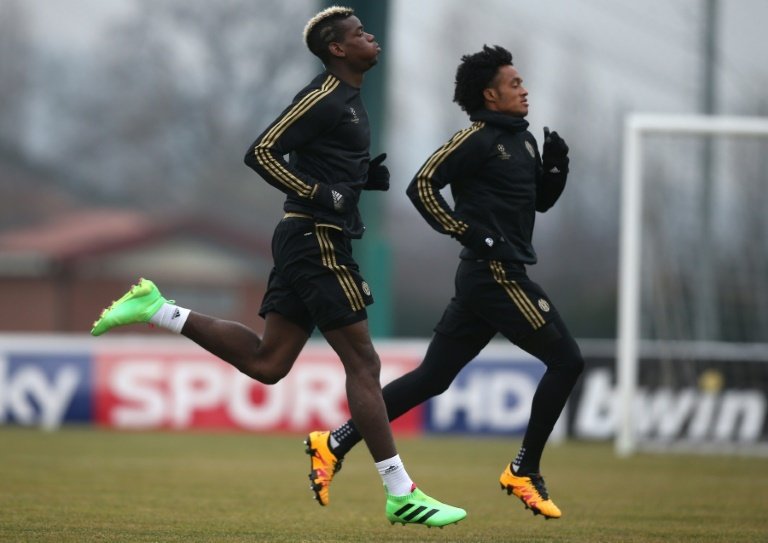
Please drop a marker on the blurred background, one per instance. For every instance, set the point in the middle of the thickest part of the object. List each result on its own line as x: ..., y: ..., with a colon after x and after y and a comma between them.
x: 123, y: 126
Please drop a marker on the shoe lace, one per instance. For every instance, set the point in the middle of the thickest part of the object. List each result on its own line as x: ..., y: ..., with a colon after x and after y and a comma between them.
x: 538, y: 483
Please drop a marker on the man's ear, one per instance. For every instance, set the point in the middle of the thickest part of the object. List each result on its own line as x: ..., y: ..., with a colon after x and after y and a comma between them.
x: 489, y: 94
x: 336, y: 49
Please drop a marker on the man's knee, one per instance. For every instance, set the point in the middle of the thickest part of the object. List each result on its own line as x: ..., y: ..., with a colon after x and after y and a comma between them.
x: 268, y: 370
x: 270, y: 375
x: 570, y: 359
x: 555, y: 346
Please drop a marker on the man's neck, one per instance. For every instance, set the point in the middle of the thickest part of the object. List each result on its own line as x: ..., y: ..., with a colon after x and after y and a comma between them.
x: 348, y: 76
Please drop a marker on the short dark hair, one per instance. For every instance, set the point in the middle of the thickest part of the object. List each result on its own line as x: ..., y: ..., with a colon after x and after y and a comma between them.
x: 324, y: 28
x: 475, y: 74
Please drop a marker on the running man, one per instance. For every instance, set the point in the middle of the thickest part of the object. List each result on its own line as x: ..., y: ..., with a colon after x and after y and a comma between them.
x: 315, y: 280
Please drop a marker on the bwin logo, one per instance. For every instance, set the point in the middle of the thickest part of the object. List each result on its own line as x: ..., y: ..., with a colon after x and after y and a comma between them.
x: 665, y: 414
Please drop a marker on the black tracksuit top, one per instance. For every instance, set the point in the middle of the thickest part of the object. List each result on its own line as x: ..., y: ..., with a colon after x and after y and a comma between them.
x: 326, y: 135
x: 497, y: 183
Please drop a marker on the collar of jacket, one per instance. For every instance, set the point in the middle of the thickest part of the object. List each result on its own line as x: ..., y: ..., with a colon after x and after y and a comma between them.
x: 502, y: 120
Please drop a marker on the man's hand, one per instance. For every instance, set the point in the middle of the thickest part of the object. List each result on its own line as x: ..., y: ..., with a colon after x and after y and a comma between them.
x: 555, y: 155
x: 378, y: 174
x: 478, y: 239
x: 339, y: 197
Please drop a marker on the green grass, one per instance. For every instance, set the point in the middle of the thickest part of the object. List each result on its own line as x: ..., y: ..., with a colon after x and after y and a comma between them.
x: 81, y: 485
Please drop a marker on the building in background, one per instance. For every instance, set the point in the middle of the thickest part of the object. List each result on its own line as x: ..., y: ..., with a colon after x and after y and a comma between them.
x: 57, y: 275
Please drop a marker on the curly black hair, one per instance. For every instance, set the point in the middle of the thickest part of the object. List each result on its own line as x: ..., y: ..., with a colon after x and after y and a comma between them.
x: 475, y: 74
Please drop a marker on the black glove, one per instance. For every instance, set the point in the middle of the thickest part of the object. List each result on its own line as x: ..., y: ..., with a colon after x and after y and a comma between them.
x: 480, y: 240
x: 378, y: 174
x: 555, y: 155
x: 339, y: 197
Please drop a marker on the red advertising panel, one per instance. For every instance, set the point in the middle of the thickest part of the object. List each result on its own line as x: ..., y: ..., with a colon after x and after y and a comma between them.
x: 188, y: 388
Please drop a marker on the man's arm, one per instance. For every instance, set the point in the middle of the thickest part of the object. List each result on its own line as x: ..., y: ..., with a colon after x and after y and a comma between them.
x: 301, y: 122
x: 454, y: 160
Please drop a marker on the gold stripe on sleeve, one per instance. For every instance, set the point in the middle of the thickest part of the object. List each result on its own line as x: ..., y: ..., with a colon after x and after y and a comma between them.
x: 424, y: 177
x: 262, y: 150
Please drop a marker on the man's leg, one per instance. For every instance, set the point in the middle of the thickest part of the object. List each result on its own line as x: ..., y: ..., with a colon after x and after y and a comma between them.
x: 459, y: 337
x: 267, y: 360
x: 405, y: 502
x: 445, y: 358
x: 362, y: 366
x: 554, y: 346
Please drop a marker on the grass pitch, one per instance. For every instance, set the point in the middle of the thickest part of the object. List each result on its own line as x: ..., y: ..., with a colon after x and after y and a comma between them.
x: 84, y: 485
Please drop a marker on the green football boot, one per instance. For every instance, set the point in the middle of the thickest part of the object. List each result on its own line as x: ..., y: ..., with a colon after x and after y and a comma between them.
x: 136, y: 306
x: 418, y: 508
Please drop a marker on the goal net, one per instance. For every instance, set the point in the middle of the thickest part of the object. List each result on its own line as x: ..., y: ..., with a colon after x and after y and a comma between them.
x: 692, y: 349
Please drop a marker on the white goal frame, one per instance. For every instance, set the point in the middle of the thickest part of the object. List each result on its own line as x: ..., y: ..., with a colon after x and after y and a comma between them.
x: 638, y: 125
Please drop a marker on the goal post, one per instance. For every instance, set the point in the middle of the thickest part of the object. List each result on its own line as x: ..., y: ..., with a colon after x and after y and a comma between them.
x: 637, y: 127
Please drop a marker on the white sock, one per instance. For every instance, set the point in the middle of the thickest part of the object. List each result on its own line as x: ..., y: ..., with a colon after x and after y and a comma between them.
x: 395, y: 477
x: 171, y: 317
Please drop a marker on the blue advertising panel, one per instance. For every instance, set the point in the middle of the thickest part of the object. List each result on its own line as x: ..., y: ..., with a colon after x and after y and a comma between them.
x: 489, y: 396
x: 45, y: 389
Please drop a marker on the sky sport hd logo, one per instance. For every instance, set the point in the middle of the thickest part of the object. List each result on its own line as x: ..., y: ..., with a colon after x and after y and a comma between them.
x: 185, y: 388
x: 180, y: 388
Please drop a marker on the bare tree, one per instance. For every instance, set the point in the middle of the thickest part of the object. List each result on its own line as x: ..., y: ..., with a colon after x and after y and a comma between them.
x: 163, y: 114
